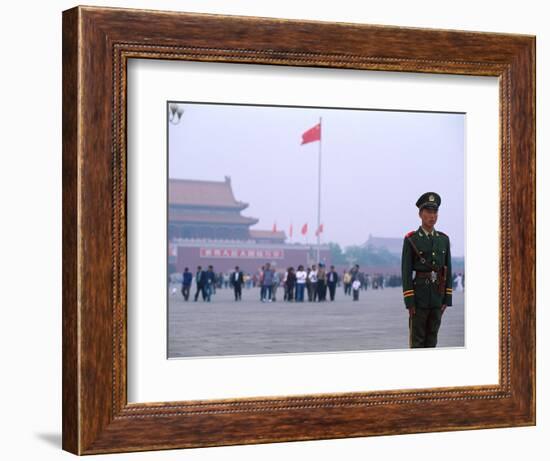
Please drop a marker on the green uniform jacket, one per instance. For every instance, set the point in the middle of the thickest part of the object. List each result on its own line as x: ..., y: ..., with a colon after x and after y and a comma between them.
x: 420, y: 292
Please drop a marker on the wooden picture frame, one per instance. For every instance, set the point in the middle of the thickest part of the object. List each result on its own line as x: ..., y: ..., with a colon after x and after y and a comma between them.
x: 97, y: 43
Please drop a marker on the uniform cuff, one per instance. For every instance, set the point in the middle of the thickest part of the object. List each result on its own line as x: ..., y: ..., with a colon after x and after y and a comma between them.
x: 408, y: 296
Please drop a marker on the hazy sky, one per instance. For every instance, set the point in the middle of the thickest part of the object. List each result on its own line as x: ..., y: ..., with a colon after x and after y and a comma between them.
x: 375, y: 165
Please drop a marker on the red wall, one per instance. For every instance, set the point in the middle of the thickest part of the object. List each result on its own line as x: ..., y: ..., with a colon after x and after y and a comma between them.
x: 191, y: 257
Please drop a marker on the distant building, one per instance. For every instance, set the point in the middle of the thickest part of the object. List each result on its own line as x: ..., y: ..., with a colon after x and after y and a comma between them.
x: 265, y: 236
x: 206, y: 210
x: 205, y: 226
x: 392, y: 245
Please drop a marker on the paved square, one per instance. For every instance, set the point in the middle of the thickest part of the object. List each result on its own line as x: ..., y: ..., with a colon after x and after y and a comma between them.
x: 224, y: 327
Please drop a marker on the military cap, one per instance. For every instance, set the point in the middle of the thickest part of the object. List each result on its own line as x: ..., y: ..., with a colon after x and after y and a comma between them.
x: 429, y: 200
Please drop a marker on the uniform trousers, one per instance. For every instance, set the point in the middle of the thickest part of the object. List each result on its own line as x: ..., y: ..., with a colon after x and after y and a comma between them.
x: 424, y: 326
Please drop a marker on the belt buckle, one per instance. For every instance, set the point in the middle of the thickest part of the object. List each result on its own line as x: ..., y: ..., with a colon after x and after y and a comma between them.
x: 433, y: 276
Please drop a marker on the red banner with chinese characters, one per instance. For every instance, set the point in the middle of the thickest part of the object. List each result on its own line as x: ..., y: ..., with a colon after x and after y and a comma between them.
x: 244, y: 253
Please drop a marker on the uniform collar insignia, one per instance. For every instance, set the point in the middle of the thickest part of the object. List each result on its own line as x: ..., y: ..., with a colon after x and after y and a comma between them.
x: 422, y: 231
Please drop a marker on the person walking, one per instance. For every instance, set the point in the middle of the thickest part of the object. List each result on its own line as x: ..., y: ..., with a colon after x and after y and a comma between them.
x: 332, y: 282
x: 290, y: 283
x: 313, y: 283
x: 354, y: 272
x: 301, y: 276
x: 322, y: 283
x: 186, y: 283
x: 275, y: 285
x: 308, y: 285
x: 200, y: 281
x: 210, y: 283
x: 347, y: 283
x: 267, y: 283
x: 459, y: 286
x: 260, y: 282
x: 356, y: 286
x: 285, y: 289
x: 236, y: 280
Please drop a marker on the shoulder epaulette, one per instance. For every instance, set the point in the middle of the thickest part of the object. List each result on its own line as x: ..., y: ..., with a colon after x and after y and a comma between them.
x: 443, y: 233
x: 409, y: 234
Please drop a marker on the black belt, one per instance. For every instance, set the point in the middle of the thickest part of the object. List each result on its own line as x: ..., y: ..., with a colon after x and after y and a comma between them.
x: 428, y: 276
x: 424, y: 274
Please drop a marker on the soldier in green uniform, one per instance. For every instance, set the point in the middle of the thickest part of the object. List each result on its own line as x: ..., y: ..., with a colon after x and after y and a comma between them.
x: 427, y: 254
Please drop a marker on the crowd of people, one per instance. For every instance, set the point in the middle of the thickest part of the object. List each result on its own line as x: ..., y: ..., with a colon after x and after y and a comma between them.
x: 315, y: 283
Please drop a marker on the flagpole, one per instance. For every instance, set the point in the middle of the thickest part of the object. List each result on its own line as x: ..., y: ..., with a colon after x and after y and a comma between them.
x: 319, y: 197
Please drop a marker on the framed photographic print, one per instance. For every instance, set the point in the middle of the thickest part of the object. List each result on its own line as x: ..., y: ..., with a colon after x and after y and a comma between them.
x: 281, y: 230
x: 273, y: 290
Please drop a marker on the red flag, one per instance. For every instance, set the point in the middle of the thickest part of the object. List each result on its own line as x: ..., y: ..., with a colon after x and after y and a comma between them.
x: 313, y: 134
x: 319, y: 230
x: 304, y: 229
x: 274, y: 227
x: 290, y: 231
